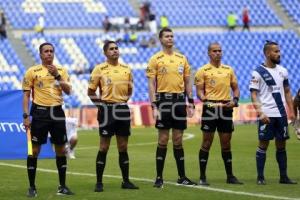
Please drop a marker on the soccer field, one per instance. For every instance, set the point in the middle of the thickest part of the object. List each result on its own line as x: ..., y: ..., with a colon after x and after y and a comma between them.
x: 142, y: 146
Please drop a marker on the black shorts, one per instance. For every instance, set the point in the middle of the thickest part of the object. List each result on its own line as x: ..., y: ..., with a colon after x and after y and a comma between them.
x: 48, y: 120
x: 114, y: 119
x: 172, y: 111
x: 217, y: 118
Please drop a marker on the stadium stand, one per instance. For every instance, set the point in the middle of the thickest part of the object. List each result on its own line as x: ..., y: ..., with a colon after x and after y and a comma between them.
x: 213, y: 12
x: 292, y: 8
x: 24, y: 14
x: 242, y: 50
x: 11, y: 68
x: 80, y: 52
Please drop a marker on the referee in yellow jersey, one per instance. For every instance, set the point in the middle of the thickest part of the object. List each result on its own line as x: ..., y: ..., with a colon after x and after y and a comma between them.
x: 214, y: 82
x: 114, y: 81
x: 168, y: 75
x: 46, y: 83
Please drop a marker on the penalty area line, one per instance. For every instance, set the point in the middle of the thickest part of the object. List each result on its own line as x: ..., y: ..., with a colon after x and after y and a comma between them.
x: 208, y: 188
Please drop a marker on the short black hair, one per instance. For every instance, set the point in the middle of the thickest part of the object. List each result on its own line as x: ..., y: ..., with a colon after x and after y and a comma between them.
x: 268, y: 44
x: 107, y: 43
x: 44, y: 44
x: 212, y: 43
x: 166, y: 29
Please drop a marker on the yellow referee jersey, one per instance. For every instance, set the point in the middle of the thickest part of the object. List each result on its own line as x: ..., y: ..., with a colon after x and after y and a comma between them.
x: 169, y: 71
x: 217, y: 81
x: 113, y: 81
x: 46, y: 91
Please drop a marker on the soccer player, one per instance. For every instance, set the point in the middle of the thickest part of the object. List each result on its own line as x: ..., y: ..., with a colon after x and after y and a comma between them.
x: 114, y: 81
x: 46, y: 82
x: 270, y: 92
x: 168, y: 75
x: 214, y: 82
x: 296, y: 104
x: 71, y: 127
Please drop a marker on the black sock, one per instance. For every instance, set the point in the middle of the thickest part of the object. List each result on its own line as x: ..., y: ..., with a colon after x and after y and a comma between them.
x: 124, y: 165
x: 203, y: 159
x: 31, y: 170
x: 61, y: 164
x: 100, y: 165
x: 227, y: 158
x: 160, y: 160
x: 282, y: 162
x: 260, y: 162
x: 179, y: 157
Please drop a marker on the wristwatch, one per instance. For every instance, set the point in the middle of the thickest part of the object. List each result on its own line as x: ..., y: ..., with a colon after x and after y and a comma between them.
x: 57, y: 77
x: 25, y: 115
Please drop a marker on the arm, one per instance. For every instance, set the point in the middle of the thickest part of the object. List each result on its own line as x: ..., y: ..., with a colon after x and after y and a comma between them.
x: 130, y: 86
x: 26, y: 99
x: 200, y: 92
x: 93, y: 96
x: 62, y: 79
x: 289, y: 101
x: 189, y: 94
x: 236, y: 92
x: 257, y: 107
x: 188, y: 87
x: 65, y: 86
x: 236, y: 96
x: 151, y: 87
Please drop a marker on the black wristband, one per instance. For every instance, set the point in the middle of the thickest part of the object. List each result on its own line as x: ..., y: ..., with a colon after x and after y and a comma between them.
x: 236, y: 101
x: 191, y: 100
x: 154, y: 104
x: 57, y: 77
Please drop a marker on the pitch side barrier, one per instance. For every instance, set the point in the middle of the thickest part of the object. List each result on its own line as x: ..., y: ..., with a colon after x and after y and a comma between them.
x: 13, y: 138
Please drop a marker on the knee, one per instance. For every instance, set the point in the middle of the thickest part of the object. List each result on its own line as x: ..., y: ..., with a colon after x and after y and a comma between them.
x: 122, y: 147
x: 163, y: 141
x: 206, y: 144
x: 226, y: 146
x: 104, y: 147
x: 177, y: 142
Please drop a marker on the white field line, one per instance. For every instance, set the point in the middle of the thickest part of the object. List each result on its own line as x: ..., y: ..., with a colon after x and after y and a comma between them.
x: 186, y: 136
x: 166, y: 182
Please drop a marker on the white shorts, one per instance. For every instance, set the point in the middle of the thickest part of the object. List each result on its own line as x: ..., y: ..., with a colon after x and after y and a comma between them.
x: 71, y: 126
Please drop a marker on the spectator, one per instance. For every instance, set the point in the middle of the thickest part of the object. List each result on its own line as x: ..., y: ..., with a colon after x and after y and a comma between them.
x: 133, y: 37
x: 231, y: 21
x: 152, y: 24
x: 40, y: 26
x: 2, y: 26
x: 126, y: 25
x: 246, y: 19
x: 152, y: 41
x: 164, y: 22
x: 144, y: 42
x: 106, y: 24
x: 145, y: 11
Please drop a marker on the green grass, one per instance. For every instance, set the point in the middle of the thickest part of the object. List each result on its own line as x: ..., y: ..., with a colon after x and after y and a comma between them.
x: 14, y: 183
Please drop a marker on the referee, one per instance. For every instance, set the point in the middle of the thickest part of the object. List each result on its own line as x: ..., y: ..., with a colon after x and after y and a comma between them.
x: 46, y: 83
x: 168, y: 75
x: 114, y: 81
x: 214, y: 82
